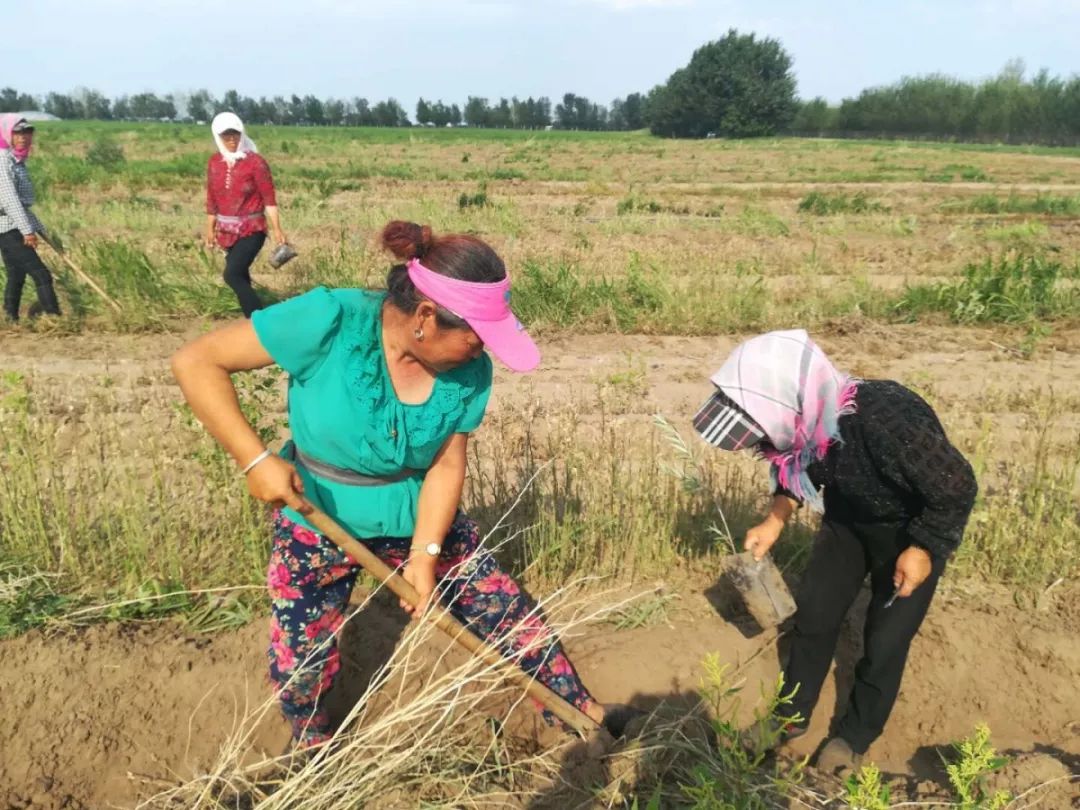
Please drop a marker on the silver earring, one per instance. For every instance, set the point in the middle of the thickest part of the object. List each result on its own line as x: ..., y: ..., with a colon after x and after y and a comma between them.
x: 418, y: 333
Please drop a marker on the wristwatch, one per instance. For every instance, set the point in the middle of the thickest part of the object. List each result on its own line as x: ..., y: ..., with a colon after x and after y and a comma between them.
x: 432, y: 549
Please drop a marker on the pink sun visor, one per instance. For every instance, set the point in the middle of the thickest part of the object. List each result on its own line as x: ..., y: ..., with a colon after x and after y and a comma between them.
x: 484, y: 306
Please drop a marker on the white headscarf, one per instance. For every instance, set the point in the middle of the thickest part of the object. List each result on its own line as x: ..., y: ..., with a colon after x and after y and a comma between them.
x: 222, y: 123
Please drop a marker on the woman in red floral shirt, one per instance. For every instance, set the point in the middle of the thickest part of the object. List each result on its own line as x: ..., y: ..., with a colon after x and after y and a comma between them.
x: 239, y: 201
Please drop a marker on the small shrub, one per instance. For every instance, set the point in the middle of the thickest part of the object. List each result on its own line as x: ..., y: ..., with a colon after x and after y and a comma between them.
x: 755, y: 221
x: 326, y: 188
x: 477, y: 200
x: 636, y: 205
x: 1015, y: 288
x: 106, y: 154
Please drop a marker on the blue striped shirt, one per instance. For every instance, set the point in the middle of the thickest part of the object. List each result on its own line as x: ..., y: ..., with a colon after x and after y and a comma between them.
x: 16, y: 196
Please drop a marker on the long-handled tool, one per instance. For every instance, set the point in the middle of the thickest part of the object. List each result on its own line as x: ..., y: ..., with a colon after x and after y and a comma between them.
x: 569, y: 714
x: 78, y: 271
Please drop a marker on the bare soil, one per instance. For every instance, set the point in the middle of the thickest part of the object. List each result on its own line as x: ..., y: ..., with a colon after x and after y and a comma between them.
x: 102, y: 716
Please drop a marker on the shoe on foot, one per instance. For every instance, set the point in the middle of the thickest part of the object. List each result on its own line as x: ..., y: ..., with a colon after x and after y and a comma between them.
x: 838, y: 759
x: 768, y: 735
x: 618, y: 716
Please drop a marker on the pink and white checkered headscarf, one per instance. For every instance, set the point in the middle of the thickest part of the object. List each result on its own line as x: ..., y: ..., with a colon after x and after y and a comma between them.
x: 8, y: 121
x: 788, y: 386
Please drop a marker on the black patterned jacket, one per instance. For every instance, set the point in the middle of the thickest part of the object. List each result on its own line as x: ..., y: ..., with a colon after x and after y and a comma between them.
x: 895, y: 467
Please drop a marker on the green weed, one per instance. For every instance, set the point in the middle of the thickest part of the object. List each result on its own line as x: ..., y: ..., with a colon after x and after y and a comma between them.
x: 644, y: 612
x: 955, y: 171
x: 1023, y: 234
x: 821, y: 204
x: 1034, y: 498
x: 735, y: 775
x: 1047, y: 204
x: 866, y: 791
x: 631, y: 205
x: 478, y: 199
x: 754, y: 221
x: 976, y: 759
x: 28, y: 599
x: 140, y: 511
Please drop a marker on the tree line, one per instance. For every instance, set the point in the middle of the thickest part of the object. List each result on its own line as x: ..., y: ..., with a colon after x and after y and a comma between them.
x: 201, y: 106
x: 737, y: 86
x: 1007, y: 107
x: 573, y: 112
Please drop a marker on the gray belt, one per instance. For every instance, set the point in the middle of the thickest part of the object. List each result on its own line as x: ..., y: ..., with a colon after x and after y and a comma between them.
x: 339, y: 475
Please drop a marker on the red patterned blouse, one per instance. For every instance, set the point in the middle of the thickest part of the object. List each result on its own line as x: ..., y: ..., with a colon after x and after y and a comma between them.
x: 238, y: 195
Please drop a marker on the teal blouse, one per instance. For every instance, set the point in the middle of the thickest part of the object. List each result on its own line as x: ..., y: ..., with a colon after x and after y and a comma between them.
x: 343, y: 409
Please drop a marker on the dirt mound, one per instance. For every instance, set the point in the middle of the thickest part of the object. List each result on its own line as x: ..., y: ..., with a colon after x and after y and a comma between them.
x: 101, y: 716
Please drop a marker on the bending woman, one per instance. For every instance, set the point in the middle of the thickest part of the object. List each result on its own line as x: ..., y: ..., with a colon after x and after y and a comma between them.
x: 384, y: 389
x: 240, y: 198
x: 19, y: 226
x: 897, y: 496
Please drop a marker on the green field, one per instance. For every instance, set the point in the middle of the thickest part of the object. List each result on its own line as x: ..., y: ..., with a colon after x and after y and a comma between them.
x: 604, y: 232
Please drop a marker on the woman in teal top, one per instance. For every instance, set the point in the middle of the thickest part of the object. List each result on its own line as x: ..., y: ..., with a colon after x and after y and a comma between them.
x: 384, y: 389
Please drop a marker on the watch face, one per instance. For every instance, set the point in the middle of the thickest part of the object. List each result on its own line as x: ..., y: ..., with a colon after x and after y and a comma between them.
x: 433, y: 549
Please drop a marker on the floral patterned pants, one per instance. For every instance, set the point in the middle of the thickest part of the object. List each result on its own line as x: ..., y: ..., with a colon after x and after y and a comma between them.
x: 310, y: 580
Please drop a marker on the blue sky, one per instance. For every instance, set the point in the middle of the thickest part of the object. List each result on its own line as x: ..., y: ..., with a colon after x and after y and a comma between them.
x: 450, y: 49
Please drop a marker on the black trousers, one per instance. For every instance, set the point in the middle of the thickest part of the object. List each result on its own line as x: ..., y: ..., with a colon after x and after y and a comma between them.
x: 20, y: 262
x: 238, y: 260
x: 844, y: 553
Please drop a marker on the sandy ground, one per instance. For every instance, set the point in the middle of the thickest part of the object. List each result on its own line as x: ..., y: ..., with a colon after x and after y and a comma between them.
x: 98, y: 717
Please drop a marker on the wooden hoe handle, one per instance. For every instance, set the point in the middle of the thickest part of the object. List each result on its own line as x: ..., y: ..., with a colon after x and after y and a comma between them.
x: 78, y: 271
x: 567, y: 713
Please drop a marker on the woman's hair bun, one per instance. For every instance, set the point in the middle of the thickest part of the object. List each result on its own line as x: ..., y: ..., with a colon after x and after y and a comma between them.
x: 407, y: 240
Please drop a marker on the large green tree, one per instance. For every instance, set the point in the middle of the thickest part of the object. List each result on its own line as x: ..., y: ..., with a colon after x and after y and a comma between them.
x: 738, y: 86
